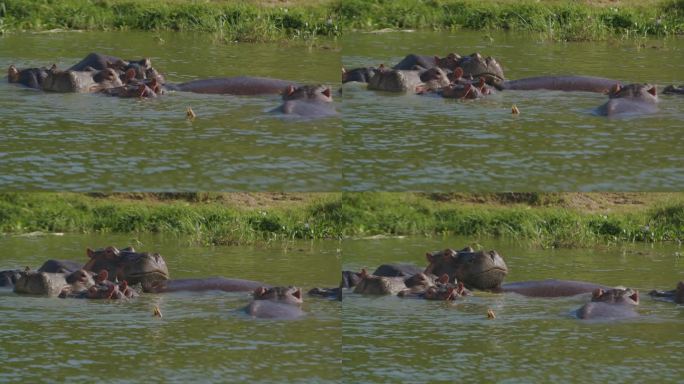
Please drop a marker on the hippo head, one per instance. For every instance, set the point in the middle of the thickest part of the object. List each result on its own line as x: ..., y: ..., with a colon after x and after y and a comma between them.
x: 462, y: 91
x: 435, y: 78
x: 444, y: 290
x: 616, y: 296
x: 419, y: 280
x: 645, y: 92
x: 477, y: 66
x: 144, y: 268
x: 80, y: 280
x: 308, y: 92
x: 128, y: 265
x: 350, y: 279
x: 480, y: 270
x: 290, y: 295
x: 9, y: 278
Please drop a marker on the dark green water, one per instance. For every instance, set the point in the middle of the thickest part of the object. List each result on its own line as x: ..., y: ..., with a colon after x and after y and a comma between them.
x: 202, y: 337
x: 398, y: 142
x: 88, y: 142
x: 390, y: 339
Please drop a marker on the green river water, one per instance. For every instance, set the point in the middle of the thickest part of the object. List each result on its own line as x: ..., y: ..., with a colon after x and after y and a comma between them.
x: 81, y: 142
x: 396, y: 142
x: 531, y: 340
x: 202, y: 336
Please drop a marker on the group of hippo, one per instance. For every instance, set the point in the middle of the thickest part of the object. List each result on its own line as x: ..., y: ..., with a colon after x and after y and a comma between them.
x: 475, y: 76
x: 452, y: 274
x: 113, y: 76
x: 116, y: 274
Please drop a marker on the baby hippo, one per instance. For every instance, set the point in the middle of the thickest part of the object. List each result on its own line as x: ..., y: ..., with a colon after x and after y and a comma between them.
x: 610, y: 304
x: 276, y: 303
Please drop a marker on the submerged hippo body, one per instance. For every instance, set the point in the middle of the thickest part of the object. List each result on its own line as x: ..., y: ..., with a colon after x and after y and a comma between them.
x: 610, y: 304
x: 307, y: 101
x: 630, y: 100
x: 360, y: 75
x: 9, y: 278
x: 60, y: 266
x: 674, y: 90
x: 397, y: 270
x: 276, y: 303
x: 550, y: 288
x: 30, y: 77
x: 562, y: 83
x: 676, y: 295
x: 240, y: 85
x: 206, y: 284
x: 40, y: 283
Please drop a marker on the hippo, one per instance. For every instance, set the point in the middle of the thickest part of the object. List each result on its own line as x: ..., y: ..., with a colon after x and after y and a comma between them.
x: 307, y: 101
x: 81, y: 81
x: 240, y: 85
x: 328, y: 293
x: 674, y: 90
x: 486, y: 271
x: 480, y: 270
x: 629, y: 100
x: 361, y: 75
x: 127, y: 264
x: 205, y: 284
x: 141, y: 69
x: 435, y: 289
x: 396, y: 270
x: 609, y: 304
x: 142, y: 89
x: 8, y: 278
x: 379, y: 285
x: 420, y: 62
x: 488, y: 68
x: 276, y: 303
x: 40, y: 283
x: 30, y: 77
x: 562, y: 83
x: 350, y: 279
x: 412, y: 81
x: 59, y: 266
x: 461, y: 91
x: 100, y: 288
x: 676, y: 295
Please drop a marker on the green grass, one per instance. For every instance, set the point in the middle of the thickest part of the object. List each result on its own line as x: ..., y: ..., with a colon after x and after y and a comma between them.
x: 547, y: 220
x: 265, y: 20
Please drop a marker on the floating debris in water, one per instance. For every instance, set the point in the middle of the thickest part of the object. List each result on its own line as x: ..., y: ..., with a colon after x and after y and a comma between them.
x: 157, y: 312
x: 515, y: 110
x: 490, y: 314
x: 190, y: 114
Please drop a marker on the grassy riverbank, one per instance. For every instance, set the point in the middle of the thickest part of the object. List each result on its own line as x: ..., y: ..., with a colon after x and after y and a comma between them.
x: 548, y: 220
x: 271, y: 20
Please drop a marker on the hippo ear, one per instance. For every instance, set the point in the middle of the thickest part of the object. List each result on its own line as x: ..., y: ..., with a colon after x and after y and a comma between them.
x: 13, y: 74
x: 259, y: 291
x: 437, y: 59
x: 453, y: 56
x: 451, y: 293
x: 443, y: 279
x: 326, y: 92
x: 598, y: 292
x: 90, y: 253
x: 111, y: 291
x: 458, y: 73
x: 147, y: 63
x: 429, y: 257
x: 141, y: 90
x: 344, y: 71
x: 615, y: 89
x: 364, y: 273
x: 290, y: 90
x: 298, y: 293
x: 653, y: 91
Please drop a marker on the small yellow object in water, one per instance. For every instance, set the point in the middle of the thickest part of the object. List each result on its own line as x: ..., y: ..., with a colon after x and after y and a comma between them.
x: 515, y: 110
x: 490, y: 314
x: 190, y: 114
x: 157, y: 312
